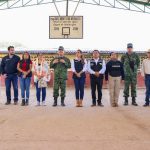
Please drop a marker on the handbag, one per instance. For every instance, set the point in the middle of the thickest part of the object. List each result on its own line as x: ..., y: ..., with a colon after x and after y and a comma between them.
x: 42, y: 83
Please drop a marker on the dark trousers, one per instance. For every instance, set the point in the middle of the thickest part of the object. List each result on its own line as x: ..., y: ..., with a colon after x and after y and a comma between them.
x: 38, y: 93
x: 147, y: 84
x: 11, y: 79
x: 96, y: 83
x: 79, y: 87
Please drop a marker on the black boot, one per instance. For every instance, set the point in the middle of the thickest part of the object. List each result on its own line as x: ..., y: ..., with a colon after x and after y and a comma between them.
x: 55, y: 102
x: 145, y: 105
x: 23, y: 102
x: 93, y: 103
x: 27, y: 102
x: 8, y: 103
x: 99, y: 102
x: 62, y: 102
x: 15, y: 101
x: 134, y: 101
x: 146, y: 102
x: 126, y: 101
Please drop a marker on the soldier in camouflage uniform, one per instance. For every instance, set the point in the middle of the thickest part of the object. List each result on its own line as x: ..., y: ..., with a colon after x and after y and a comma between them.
x: 60, y: 64
x: 131, y: 62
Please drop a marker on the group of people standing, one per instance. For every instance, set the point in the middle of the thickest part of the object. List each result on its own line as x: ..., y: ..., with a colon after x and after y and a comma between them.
x: 114, y: 72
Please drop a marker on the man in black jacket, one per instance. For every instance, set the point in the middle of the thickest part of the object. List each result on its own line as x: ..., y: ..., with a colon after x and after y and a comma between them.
x: 0, y: 66
x: 9, y: 72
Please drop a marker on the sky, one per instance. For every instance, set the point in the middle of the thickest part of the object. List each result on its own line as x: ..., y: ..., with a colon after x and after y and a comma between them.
x: 104, y: 28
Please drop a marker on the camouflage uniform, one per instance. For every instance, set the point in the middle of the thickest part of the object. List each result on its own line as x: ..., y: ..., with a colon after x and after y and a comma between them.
x: 60, y: 76
x: 130, y: 73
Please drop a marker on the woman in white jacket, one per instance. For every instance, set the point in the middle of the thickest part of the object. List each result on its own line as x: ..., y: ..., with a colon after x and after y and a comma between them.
x: 41, y: 77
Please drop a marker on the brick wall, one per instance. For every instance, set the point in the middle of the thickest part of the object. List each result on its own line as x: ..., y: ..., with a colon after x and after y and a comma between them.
x: 70, y: 82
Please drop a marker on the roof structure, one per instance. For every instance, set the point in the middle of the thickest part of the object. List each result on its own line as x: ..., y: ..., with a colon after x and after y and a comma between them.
x: 133, y: 5
x: 68, y: 51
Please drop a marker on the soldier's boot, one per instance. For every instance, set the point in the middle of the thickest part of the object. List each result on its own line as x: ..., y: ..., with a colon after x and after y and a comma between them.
x: 134, y: 101
x: 23, y: 102
x: 126, y: 101
x: 55, y: 102
x: 99, y: 102
x: 62, y: 101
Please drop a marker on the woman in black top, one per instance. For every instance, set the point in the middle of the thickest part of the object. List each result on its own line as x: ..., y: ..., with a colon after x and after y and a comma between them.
x: 79, y: 67
x: 114, y: 74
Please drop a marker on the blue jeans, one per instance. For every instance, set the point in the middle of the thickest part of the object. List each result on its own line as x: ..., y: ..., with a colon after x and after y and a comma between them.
x: 25, y: 87
x: 11, y: 78
x: 38, y: 93
x: 147, y: 84
x: 79, y: 88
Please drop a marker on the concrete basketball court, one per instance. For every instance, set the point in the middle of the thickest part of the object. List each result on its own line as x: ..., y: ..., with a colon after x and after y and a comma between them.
x: 71, y: 128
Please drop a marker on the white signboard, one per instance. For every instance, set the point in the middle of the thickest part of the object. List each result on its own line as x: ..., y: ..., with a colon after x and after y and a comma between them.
x: 66, y: 27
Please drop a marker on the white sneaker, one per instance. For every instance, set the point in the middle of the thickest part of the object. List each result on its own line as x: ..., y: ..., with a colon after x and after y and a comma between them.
x: 43, y: 103
x: 38, y: 104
